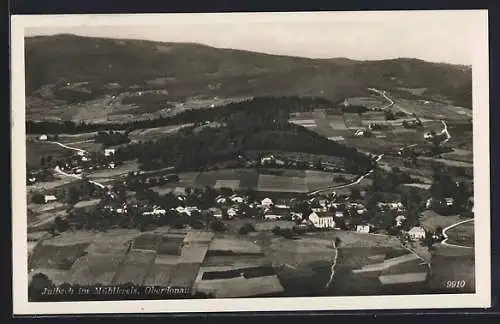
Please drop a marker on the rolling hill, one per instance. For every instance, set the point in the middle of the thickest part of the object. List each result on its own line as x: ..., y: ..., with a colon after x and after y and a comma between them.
x: 68, y: 68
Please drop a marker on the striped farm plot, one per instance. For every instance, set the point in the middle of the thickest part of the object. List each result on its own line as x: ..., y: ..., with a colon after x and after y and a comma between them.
x: 353, y: 120
x: 96, y: 268
x: 317, y: 179
x: 272, y: 183
x: 234, y: 282
x: 159, y: 274
x: 233, y: 184
x: 308, y: 123
x: 135, y: 268
x: 184, y: 275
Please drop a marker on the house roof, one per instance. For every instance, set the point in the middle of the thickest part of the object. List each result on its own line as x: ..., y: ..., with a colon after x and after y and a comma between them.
x: 324, y: 214
x: 416, y: 229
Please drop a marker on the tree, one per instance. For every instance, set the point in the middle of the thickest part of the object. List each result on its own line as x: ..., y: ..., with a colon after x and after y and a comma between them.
x: 60, y: 224
x: 389, y: 115
x: 246, y: 228
x: 38, y: 199
x: 38, y: 283
x: 217, y: 226
x: 355, y: 194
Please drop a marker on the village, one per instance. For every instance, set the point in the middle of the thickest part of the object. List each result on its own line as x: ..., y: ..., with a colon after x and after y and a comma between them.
x: 129, y: 200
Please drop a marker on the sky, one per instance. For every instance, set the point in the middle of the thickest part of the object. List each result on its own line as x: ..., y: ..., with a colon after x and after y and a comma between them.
x: 437, y: 36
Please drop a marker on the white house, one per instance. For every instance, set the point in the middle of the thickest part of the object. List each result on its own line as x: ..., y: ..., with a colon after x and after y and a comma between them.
x: 428, y: 135
x: 339, y: 213
x: 80, y: 153
x: 266, y: 202
x: 416, y: 233
x: 42, y: 137
x: 85, y: 159
x: 231, y: 212
x: 237, y: 199
x: 49, y: 198
x: 180, y: 209
x: 361, y: 132
x: 318, y: 209
x: 399, y: 220
x: 111, y: 165
x: 216, y: 212
x: 221, y: 200
x: 363, y: 228
x: 322, y: 220
x: 449, y: 201
x: 272, y: 216
x: 296, y: 216
x: 109, y: 152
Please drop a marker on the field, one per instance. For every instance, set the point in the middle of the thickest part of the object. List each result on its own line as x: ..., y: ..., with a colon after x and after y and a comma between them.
x: 96, y: 268
x: 135, y: 267
x: 109, y: 174
x: 353, y: 121
x: 433, y: 109
x: 36, y: 150
x: 159, y: 275
x: 462, y: 234
x: 430, y: 220
x: 184, y: 274
x: 155, y: 133
x: 271, y: 183
x: 268, y: 180
x: 451, y: 264
x: 146, y: 242
x: 55, y: 256
x: 194, y: 252
x: 459, y: 155
x: 369, y: 102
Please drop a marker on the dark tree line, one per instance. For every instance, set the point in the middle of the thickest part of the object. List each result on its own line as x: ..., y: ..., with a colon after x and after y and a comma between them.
x: 284, y: 105
x: 111, y: 138
x: 256, y: 127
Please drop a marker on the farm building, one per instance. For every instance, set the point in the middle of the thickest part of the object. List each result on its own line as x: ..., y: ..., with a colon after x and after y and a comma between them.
x: 416, y: 233
x: 266, y: 202
x: 231, y: 212
x: 49, y: 198
x: 109, y: 152
x: 428, y: 203
x: 42, y: 137
x: 339, y: 213
x: 276, y: 213
x: 322, y: 219
x: 449, y: 201
x: 362, y: 132
x: 399, y: 220
x: 216, y: 212
x: 221, y: 200
x: 237, y: 199
x: 363, y: 228
x: 271, y: 159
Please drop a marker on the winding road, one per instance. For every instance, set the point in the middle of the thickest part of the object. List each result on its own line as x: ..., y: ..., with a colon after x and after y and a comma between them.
x: 355, y: 182
x: 334, y: 263
x: 452, y: 226
x: 382, y: 93
x: 76, y: 176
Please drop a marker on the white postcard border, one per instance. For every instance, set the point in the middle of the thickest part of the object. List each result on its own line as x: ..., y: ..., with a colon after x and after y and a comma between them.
x: 21, y: 306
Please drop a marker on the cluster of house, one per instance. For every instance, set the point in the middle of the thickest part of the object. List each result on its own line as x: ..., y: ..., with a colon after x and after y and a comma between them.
x: 272, y: 160
x: 82, y: 161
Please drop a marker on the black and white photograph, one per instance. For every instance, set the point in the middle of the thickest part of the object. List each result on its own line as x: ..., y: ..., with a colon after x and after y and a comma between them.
x: 250, y: 161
